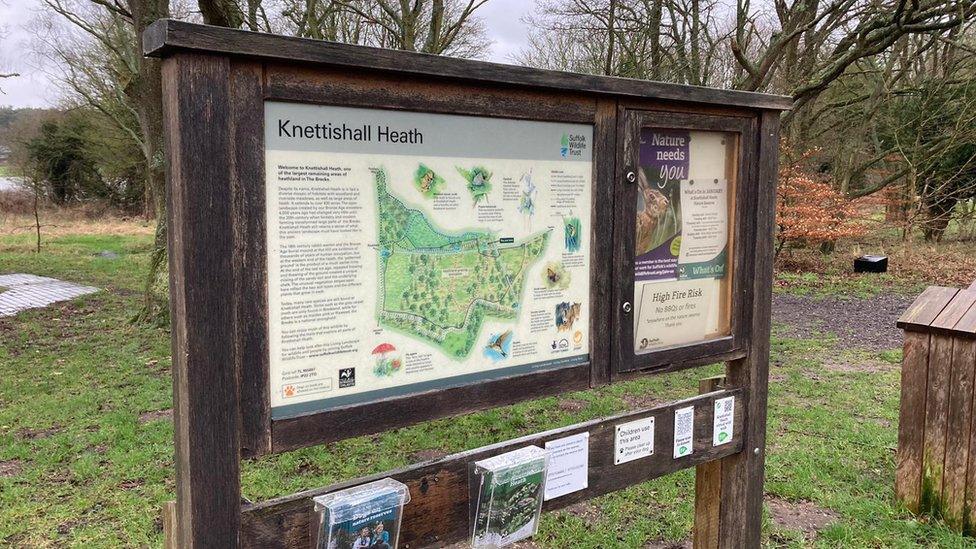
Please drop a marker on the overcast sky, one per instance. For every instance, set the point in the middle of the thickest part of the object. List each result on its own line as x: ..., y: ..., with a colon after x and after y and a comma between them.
x: 34, y: 88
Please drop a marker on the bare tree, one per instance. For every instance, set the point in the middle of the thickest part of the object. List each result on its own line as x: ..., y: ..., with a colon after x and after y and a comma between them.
x: 443, y: 27
x: 3, y: 38
x: 814, y: 43
x: 856, y: 69
x: 115, y: 27
x: 671, y: 40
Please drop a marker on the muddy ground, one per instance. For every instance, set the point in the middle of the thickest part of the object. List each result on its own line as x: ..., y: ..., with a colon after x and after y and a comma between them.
x: 860, y: 323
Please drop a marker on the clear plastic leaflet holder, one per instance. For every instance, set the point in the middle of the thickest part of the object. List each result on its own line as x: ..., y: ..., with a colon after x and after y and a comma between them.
x: 365, y: 516
x: 506, y: 496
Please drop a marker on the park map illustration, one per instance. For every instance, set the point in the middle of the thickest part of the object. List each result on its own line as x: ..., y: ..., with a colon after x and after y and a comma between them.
x: 439, y: 286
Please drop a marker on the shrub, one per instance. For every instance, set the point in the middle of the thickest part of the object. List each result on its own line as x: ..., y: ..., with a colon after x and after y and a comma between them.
x: 810, y: 212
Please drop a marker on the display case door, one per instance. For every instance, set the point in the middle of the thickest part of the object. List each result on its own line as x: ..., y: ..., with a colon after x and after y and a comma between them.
x: 681, y: 214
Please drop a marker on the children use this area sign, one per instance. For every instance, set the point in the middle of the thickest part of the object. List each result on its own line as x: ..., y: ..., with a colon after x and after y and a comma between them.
x: 681, y: 252
x: 412, y: 251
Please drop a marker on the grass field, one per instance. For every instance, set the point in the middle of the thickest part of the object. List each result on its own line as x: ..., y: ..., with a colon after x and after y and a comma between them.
x: 86, y: 434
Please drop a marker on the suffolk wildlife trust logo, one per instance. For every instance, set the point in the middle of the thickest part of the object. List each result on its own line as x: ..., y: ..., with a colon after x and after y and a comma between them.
x: 347, y: 377
x: 572, y: 145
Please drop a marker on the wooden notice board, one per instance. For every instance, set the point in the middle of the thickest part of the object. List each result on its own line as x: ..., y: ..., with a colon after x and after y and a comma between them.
x: 364, y: 239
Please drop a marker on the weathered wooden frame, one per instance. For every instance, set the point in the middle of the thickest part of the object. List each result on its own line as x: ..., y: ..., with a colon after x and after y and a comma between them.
x: 215, y: 84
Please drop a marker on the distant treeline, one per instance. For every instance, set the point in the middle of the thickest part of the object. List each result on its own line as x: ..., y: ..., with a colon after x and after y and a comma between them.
x: 73, y: 155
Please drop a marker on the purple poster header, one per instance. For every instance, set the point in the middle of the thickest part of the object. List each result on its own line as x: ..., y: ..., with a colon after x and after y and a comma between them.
x: 664, y: 155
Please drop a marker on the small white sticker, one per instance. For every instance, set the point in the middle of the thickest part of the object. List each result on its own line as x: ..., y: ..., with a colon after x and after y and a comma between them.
x: 633, y: 440
x: 684, y: 431
x: 724, y: 415
x: 569, y: 465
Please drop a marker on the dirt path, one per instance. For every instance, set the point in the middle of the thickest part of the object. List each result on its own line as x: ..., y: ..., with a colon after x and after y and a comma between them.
x: 864, y: 323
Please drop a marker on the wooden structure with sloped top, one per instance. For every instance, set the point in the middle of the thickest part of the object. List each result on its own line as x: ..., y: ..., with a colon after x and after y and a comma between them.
x: 936, y: 469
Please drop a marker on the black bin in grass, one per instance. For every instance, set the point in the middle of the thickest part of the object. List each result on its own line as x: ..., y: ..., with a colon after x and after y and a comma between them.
x: 871, y: 264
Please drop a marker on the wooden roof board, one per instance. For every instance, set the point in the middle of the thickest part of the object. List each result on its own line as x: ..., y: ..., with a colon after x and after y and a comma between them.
x: 954, y: 311
x: 967, y: 323
x: 166, y: 36
x: 926, y: 307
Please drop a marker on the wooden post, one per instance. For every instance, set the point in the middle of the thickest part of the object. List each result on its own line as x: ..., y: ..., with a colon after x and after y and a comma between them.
x: 169, y: 525
x: 954, y: 402
x: 914, y: 391
x: 200, y: 199
x: 958, y: 428
x: 936, y: 412
x: 740, y: 523
x: 911, y: 423
x: 708, y: 487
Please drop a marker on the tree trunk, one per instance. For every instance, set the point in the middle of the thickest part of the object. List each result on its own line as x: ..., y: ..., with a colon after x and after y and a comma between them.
x: 654, y: 27
x: 611, y: 35
x: 146, y: 93
x: 37, y: 217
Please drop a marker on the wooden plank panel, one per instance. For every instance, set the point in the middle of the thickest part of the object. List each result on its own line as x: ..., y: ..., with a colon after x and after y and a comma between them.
x: 926, y: 307
x: 166, y: 36
x: 968, y: 352
x: 936, y: 415
x: 911, y: 419
x: 742, y: 474
x: 683, y: 365
x: 601, y: 275
x: 652, y: 104
x: 958, y: 422
x: 624, y: 223
x: 957, y: 308
x: 966, y: 326
x: 250, y: 256
x: 375, y: 417
x: 424, y: 94
x: 958, y: 432
x: 169, y: 525
x: 196, y: 102
x: 438, y: 511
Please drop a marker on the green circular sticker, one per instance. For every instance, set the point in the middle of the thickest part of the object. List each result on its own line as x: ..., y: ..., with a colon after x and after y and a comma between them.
x: 676, y: 246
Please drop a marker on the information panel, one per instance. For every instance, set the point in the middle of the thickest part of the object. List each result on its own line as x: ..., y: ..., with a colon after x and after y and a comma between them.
x: 681, y: 287
x: 414, y: 251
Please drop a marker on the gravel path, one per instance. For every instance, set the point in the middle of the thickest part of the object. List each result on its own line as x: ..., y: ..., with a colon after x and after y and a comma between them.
x: 865, y: 323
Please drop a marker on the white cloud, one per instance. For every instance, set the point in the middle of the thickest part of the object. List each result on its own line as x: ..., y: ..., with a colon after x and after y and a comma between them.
x: 503, y: 19
x: 35, y: 87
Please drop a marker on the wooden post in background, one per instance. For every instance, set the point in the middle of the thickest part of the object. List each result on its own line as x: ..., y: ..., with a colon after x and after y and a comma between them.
x: 708, y: 487
x: 205, y: 401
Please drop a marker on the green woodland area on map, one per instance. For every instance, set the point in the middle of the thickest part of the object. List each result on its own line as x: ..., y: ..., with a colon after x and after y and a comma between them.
x: 440, y: 287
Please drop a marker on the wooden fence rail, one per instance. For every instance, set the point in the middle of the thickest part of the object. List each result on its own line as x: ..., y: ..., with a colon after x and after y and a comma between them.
x: 438, y: 511
x: 936, y: 461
